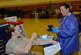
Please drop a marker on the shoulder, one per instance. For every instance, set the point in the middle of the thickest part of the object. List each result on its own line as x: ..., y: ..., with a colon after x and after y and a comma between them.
x: 72, y: 18
x: 10, y: 42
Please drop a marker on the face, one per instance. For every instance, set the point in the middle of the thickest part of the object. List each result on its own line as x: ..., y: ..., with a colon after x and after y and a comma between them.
x: 64, y: 11
x: 17, y: 31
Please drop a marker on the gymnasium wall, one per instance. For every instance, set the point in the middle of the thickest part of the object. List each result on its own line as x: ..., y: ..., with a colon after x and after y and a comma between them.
x: 10, y: 3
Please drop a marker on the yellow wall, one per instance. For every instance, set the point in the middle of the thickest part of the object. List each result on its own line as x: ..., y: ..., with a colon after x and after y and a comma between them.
x: 29, y: 2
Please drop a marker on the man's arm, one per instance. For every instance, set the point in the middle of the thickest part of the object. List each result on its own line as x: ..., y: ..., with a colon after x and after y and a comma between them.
x: 42, y: 42
x: 26, y: 49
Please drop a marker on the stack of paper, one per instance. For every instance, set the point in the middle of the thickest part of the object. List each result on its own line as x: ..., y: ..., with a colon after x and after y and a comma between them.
x: 48, y: 38
x: 52, y: 50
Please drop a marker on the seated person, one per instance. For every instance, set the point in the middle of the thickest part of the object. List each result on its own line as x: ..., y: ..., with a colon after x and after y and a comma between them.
x: 18, y: 45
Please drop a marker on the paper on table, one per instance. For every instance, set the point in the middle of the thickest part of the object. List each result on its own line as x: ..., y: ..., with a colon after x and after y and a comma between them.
x: 52, y: 50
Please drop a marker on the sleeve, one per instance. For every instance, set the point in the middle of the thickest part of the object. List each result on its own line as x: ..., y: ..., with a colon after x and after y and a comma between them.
x: 10, y: 47
x: 68, y: 31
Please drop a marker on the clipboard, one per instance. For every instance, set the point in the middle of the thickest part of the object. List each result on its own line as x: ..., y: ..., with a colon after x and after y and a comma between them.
x: 52, y: 50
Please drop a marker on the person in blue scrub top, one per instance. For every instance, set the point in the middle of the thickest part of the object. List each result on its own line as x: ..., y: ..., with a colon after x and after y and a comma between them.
x: 68, y: 32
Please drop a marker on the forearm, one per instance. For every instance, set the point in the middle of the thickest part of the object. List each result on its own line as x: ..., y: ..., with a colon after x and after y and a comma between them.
x: 28, y: 46
x: 24, y: 50
x: 66, y: 33
x: 42, y: 42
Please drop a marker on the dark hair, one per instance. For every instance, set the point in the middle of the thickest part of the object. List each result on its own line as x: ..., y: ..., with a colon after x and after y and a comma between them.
x: 66, y: 5
x: 10, y: 30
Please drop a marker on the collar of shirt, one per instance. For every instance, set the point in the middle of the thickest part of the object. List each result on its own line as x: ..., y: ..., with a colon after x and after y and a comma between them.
x: 69, y: 14
x: 64, y: 19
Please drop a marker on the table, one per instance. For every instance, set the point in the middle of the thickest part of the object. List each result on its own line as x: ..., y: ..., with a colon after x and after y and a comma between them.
x: 46, y: 41
x: 37, y: 14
